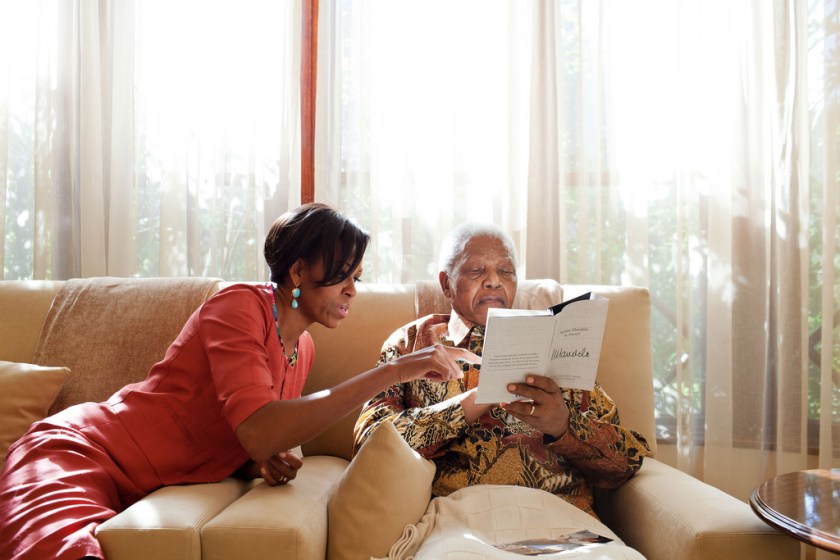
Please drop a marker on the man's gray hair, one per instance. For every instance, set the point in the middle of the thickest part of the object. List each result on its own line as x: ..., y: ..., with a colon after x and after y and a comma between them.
x: 454, y: 243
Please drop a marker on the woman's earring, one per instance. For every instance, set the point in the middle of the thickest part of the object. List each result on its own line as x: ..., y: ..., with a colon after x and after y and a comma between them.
x: 295, y: 295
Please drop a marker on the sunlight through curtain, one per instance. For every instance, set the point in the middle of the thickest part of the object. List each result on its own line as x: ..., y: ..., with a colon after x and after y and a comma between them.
x: 146, y: 138
x: 687, y: 146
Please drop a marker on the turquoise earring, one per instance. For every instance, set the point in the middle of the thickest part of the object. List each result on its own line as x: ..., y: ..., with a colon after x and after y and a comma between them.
x: 295, y: 295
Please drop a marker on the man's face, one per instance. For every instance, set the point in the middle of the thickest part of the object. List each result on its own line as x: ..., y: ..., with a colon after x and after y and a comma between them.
x: 483, y: 276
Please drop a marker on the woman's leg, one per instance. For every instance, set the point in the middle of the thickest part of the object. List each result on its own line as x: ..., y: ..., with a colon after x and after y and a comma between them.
x: 55, y: 489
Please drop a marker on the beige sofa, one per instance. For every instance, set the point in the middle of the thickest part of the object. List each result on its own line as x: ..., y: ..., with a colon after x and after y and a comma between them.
x: 108, y: 331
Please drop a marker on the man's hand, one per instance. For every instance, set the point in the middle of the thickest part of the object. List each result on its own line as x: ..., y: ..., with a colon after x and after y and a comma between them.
x: 472, y: 411
x: 281, y: 468
x: 545, y: 408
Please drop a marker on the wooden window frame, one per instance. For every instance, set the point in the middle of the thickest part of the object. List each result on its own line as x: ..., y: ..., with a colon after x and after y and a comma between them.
x: 308, y: 83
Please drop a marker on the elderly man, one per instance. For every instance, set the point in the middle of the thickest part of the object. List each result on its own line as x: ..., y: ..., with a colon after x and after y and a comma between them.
x: 560, y: 440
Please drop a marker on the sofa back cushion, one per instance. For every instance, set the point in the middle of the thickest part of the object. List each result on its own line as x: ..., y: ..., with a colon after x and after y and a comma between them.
x: 23, y: 306
x: 110, y: 331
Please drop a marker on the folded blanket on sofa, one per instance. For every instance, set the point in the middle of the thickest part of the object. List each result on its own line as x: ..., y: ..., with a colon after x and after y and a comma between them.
x: 110, y: 331
x: 477, y: 521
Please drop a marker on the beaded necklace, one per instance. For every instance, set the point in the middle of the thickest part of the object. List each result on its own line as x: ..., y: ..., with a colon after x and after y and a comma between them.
x: 292, y: 360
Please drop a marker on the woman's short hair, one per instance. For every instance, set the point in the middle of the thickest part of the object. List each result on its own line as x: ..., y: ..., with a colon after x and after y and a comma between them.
x: 454, y: 243
x: 311, y: 232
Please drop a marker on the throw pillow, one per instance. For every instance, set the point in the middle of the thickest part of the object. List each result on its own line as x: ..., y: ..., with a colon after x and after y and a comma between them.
x: 28, y: 391
x: 387, y: 486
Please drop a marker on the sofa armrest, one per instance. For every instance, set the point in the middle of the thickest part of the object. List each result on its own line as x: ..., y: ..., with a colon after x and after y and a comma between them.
x: 167, y: 523
x: 665, y: 513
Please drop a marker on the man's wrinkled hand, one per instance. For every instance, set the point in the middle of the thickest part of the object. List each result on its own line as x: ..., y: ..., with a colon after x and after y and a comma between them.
x: 544, y: 406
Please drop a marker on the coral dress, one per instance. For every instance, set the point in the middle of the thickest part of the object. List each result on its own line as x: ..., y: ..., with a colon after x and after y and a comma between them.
x: 80, y: 467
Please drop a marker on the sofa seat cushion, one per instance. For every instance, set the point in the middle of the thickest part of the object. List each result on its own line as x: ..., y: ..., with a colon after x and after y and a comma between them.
x: 166, y: 524
x: 28, y: 392
x: 288, y: 521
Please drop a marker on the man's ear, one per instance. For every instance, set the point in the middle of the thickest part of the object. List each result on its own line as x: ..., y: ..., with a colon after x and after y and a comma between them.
x: 443, y: 278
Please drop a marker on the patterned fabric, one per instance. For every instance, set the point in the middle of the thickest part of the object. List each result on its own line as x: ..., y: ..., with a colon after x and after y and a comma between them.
x: 596, y: 451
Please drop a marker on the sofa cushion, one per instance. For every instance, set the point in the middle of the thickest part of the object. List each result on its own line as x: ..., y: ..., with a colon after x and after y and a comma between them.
x: 110, y: 331
x: 387, y: 486
x: 270, y: 522
x: 23, y: 306
x: 28, y: 391
x: 166, y: 524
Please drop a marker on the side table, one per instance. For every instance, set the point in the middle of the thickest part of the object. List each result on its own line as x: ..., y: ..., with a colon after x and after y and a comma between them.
x: 803, y: 504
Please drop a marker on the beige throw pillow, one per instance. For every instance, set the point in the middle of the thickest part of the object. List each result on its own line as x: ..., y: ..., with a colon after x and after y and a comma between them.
x: 387, y: 486
x: 26, y: 393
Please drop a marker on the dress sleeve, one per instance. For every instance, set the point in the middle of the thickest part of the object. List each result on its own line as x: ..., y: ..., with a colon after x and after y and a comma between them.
x: 427, y: 428
x: 235, y: 329
x: 606, y: 453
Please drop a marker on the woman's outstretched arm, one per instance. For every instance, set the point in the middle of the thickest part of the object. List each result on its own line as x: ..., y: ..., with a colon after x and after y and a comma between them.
x: 285, y: 424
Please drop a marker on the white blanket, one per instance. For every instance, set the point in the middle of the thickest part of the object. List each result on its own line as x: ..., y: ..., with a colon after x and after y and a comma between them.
x: 468, y: 523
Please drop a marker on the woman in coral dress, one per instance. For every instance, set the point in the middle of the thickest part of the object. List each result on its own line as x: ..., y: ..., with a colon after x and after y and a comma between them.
x: 225, y: 398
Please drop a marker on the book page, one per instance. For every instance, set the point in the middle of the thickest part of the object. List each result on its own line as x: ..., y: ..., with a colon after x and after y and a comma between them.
x: 565, y: 346
x: 514, y: 345
x: 576, y: 347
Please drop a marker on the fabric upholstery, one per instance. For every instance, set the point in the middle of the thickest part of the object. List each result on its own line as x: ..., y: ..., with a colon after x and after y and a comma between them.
x: 28, y: 391
x: 468, y: 522
x: 138, y: 318
x: 166, y: 524
x: 387, y: 486
x: 693, y: 520
x: 268, y: 523
x: 23, y: 306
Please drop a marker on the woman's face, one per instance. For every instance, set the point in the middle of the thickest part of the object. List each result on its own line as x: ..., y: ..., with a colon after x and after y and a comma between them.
x: 327, y: 305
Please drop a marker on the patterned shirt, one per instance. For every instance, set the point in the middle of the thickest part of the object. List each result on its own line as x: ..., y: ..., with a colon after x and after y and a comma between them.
x: 596, y: 451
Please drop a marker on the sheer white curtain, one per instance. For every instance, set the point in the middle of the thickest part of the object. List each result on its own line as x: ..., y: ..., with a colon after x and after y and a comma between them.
x: 688, y: 146
x: 146, y: 138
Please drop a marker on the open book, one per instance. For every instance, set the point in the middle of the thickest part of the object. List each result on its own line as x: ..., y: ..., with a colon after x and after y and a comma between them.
x: 538, y: 547
x: 562, y: 342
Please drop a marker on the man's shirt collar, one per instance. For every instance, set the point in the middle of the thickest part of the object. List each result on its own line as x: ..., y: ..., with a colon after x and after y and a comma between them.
x: 459, y: 329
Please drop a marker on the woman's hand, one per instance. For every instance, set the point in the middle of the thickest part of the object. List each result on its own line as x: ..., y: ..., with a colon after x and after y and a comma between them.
x: 280, y: 468
x: 437, y: 363
x: 545, y: 408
